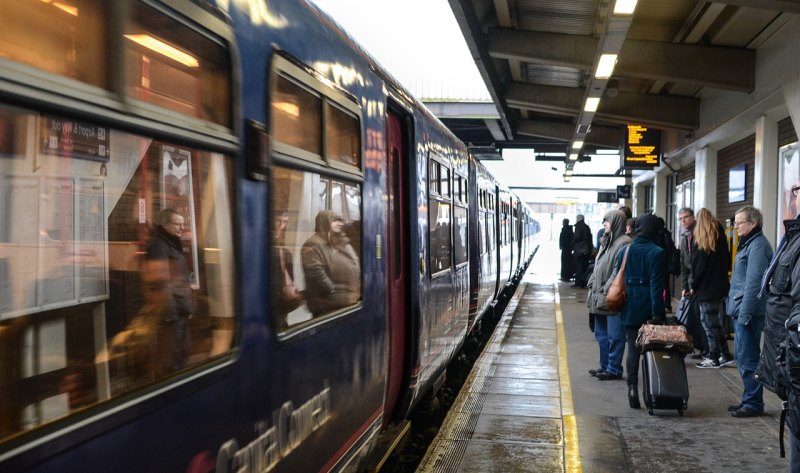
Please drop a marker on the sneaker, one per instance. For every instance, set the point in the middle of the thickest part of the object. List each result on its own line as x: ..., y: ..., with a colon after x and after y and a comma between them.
x: 700, y: 356
x: 725, y: 361
x: 708, y: 363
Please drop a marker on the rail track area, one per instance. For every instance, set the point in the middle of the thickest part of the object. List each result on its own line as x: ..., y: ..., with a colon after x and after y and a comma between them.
x: 529, y: 405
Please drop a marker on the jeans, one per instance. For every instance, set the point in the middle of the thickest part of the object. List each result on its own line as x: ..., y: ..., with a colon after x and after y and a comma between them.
x: 794, y: 452
x: 717, y: 338
x: 747, y: 348
x: 632, y: 359
x: 610, y: 336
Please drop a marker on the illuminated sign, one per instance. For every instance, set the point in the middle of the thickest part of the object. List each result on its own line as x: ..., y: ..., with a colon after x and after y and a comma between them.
x: 641, y: 147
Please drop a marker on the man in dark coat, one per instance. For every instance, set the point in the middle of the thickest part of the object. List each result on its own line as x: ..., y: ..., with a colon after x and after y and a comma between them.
x: 167, y: 273
x: 565, y: 245
x: 781, y: 288
x: 582, y: 247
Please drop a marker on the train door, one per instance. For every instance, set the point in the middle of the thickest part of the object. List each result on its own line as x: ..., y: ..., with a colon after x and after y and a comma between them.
x: 396, y: 255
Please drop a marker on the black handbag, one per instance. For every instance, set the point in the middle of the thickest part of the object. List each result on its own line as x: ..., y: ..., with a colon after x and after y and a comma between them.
x: 684, y: 310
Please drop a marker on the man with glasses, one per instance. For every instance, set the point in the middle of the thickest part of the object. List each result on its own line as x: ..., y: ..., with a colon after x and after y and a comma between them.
x: 753, y: 255
x: 167, y: 278
x: 781, y: 289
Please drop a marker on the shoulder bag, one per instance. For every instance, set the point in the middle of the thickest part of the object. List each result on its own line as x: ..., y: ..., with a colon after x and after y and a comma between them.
x: 615, y: 297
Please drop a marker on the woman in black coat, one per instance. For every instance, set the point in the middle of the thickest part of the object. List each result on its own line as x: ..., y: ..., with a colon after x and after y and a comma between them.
x: 710, y: 263
x: 565, y: 245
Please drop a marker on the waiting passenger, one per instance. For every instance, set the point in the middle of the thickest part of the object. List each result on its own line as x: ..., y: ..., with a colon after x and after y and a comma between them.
x: 688, y: 222
x: 167, y: 270
x: 710, y: 260
x: 608, y: 329
x: 629, y: 226
x: 753, y: 255
x: 582, y: 251
x: 565, y: 245
x: 286, y: 297
x: 644, y: 287
x: 780, y: 287
x: 332, y: 269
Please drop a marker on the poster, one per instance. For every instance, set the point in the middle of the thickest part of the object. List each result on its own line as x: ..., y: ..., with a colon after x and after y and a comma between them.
x: 176, y: 194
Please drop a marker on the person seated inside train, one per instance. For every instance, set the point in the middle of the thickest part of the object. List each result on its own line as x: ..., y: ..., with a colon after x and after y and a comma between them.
x: 331, y: 266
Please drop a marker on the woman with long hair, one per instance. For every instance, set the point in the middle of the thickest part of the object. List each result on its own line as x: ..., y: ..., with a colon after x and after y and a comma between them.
x: 710, y: 262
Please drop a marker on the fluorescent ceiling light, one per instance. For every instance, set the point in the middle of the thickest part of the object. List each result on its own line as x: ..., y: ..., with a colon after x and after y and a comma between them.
x: 567, y: 178
x: 577, y: 144
x: 605, y: 67
x: 161, y: 47
x: 573, y: 157
x: 591, y: 104
x: 568, y: 172
x: 624, y: 7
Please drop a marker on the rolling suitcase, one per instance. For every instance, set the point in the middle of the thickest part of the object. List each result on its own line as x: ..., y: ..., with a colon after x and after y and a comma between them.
x: 665, y: 383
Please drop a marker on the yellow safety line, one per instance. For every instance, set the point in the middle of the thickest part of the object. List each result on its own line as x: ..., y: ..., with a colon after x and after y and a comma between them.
x: 572, y: 456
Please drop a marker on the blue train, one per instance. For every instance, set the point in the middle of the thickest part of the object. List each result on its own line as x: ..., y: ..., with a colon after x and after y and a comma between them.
x: 325, y: 246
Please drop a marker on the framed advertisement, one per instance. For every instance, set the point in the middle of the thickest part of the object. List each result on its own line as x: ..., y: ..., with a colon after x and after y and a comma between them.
x: 737, y: 183
x: 177, y: 194
x: 788, y: 176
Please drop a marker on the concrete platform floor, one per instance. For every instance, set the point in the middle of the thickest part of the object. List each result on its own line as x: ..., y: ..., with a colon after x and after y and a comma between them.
x: 531, y: 406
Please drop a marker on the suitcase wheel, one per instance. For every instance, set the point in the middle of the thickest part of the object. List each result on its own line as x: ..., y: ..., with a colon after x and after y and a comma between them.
x: 650, y: 410
x: 680, y: 412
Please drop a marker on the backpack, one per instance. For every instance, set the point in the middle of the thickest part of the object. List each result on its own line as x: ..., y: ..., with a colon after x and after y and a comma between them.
x: 788, y: 377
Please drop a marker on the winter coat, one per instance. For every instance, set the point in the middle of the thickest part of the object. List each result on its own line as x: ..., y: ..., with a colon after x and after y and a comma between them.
x: 644, y: 275
x: 582, y: 240
x: 565, y: 238
x: 686, y: 259
x: 600, y: 280
x: 710, y: 270
x: 331, y: 267
x: 167, y: 247
x: 752, y: 259
x: 782, y: 293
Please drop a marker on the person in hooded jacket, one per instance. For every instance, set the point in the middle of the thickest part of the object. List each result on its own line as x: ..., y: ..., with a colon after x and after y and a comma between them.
x: 608, y: 330
x: 331, y: 266
x: 709, y: 285
x: 644, y: 287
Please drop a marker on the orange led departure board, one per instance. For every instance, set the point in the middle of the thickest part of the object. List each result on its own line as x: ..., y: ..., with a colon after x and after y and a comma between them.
x: 641, y: 147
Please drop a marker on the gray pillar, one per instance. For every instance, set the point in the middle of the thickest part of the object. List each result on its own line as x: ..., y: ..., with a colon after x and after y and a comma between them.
x: 765, y: 175
x: 705, y: 180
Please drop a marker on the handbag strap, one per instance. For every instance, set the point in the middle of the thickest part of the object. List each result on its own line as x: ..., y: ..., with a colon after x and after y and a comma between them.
x: 624, y: 259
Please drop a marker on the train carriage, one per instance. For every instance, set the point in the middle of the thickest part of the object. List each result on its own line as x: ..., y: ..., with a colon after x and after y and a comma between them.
x: 329, y: 229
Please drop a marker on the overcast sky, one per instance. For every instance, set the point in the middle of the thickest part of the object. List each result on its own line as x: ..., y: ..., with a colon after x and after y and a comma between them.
x: 418, y: 41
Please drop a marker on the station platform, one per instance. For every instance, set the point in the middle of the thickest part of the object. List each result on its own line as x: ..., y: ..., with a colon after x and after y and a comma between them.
x: 530, y: 405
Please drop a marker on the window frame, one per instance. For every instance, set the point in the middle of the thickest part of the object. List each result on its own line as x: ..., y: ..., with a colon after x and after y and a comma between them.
x: 438, y: 162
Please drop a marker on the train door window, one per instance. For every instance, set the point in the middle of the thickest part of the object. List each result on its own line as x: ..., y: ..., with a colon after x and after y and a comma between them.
x: 73, y: 45
x: 316, y: 199
x: 434, y: 170
x: 116, y: 264
x: 460, y: 242
x: 439, y: 207
x: 176, y: 68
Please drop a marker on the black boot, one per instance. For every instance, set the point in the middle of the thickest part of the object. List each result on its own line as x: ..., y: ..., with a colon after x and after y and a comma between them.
x: 633, y: 396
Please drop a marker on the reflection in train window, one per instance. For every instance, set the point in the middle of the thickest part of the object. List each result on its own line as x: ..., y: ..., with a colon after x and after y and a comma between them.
x: 296, y: 116
x: 342, y: 136
x: 460, y: 243
x: 116, y: 264
x: 316, y: 258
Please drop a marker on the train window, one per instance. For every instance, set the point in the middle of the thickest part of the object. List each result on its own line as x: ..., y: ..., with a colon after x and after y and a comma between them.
x: 342, y: 136
x: 72, y: 45
x: 460, y: 234
x: 434, y: 170
x: 316, y: 258
x: 444, y: 181
x: 312, y: 120
x: 175, y: 67
x: 116, y: 264
x: 296, y: 116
